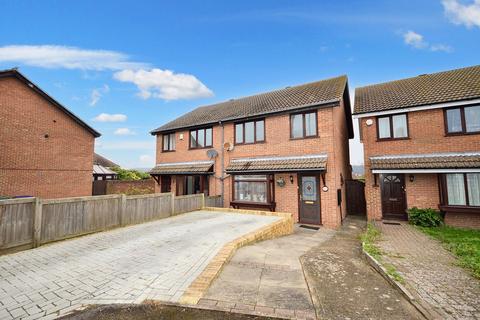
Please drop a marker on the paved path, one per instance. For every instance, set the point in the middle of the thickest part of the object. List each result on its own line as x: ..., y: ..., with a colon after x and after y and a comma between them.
x: 344, y: 286
x: 431, y: 272
x: 156, y: 260
x: 267, y: 277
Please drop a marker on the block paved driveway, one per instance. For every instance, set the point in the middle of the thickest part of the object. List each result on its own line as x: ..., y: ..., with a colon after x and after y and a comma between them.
x: 156, y: 260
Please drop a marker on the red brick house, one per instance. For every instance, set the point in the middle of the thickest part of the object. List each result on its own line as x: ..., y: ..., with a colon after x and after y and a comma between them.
x: 285, y: 150
x: 46, y: 150
x: 421, y: 138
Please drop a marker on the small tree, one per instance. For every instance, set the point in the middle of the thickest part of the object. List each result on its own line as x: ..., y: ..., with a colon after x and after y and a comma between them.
x: 128, y: 174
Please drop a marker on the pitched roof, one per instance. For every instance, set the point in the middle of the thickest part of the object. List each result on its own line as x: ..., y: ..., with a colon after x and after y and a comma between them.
x: 102, y: 161
x: 316, y: 162
x: 447, y: 86
x: 317, y: 93
x: 427, y: 161
x: 15, y: 73
x: 194, y: 167
x: 97, y: 169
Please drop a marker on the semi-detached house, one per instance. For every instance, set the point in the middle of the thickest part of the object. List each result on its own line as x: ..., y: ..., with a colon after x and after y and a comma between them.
x: 421, y: 138
x: 285, y: 150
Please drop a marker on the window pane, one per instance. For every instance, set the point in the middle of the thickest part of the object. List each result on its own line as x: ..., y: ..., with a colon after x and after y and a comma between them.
x: 260, y: 128
x: 190, y: 186
x: 309, y: 188
x: 165, y: 142
x: 193, y: 140
x: 454, y: 120
x: 473, y: 182
x: 251, y: 177
x: 249, y: 132
x: 400, y: 126
x: 310, y: 124
x: 456, y: 189
x: 297, y: 126
x: 172, y: 142
x: 239, y: 133
x: 251, y: 191
x: 472, y: 118
x: 208, y: 137
x: 384, y: 128
x: 201, y: 138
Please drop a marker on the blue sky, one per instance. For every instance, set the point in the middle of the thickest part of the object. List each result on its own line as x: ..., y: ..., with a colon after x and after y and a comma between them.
x: 128, y: 67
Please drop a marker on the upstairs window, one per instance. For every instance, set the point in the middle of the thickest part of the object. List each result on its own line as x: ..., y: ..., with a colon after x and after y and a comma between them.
x: 392, y: 127
x: 462, y: 120
x: 303, y: 125
x: 201, y: 138
x: 250, y: 132
x: 168, y: 142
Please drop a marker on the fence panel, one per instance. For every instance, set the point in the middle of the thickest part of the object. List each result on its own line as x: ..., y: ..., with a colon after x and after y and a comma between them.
x: 69, y: 217
x: 188, y: 203
x: 213, y: 201
x: 144, y: 208
x: 16, y: 222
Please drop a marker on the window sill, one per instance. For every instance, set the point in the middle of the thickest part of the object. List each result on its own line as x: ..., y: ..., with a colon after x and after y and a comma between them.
x: 247, y: 204
x: 166, y: 151
x: 392, y: 139
x: 459, y: 209
x: 456, y: 134
x: 249, y: 144
x: 303, y: 138
x: 209, y: 147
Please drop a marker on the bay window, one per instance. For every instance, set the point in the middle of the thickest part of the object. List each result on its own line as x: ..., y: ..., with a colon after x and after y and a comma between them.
x: 461, y: 189
x: 250, y: 132
x: 392, y: 127
x: 303, y: 125
x: 200, y: 138
x: 462, y: 120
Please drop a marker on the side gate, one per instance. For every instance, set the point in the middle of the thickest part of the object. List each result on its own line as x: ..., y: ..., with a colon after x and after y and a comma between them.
x: 355, y: 194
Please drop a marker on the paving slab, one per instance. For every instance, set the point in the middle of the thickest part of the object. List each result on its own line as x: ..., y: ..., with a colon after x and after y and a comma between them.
x: 155, y: 261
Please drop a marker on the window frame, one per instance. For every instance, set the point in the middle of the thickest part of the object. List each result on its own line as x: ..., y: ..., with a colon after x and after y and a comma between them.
x: 444, y: 192
x: 464, y: 131
x: 390, y: 120
x: 205, y: 146
x: 304, y: 127
x: 169, y: 141
x: 254, y: 132
x: 269, y: 180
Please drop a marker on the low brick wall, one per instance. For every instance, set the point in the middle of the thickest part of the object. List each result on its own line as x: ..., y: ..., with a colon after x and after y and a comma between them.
x: 463, y: 220
x: 131, y: 187
x: 282, y: 227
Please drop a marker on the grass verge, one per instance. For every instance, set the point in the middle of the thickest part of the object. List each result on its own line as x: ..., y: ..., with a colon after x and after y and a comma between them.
x: 463, y: 243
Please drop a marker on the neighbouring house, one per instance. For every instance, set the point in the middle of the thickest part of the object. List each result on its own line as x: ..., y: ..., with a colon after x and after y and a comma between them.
x: 421, y: 138
x: 46, y: 150
x: 285, y: 150
x: 102, y: 168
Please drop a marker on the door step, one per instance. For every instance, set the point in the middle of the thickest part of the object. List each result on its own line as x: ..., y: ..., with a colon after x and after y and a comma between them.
x: 309, y: 227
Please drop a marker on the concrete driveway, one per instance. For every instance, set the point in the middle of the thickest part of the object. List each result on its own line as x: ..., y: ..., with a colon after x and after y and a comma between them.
x: 156, y: 260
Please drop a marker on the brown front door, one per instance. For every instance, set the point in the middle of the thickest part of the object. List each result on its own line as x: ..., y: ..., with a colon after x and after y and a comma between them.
x: 393, y: 196
x: 165, y: 184
x: 309, y: 198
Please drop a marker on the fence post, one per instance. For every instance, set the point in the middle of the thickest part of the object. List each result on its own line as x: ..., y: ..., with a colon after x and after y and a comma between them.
x: 203, y: 201
x: 172, y: 200
x: 123, y: 209
x: 37, y: 223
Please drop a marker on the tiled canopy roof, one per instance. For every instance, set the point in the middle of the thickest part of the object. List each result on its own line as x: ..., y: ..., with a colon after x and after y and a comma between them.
x: 196, y: 167
x: 276, y: 164
x: 102, y: 161
x: 448, y: 86
x: 427, y: 161
x: 310, y: 94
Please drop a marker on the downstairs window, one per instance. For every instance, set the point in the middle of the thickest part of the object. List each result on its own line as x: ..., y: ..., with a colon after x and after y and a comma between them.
x: 461, y: 189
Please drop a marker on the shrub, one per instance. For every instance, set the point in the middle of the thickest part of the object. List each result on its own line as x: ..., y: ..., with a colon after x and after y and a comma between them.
x: 126, y: 174
x: 424, y: 217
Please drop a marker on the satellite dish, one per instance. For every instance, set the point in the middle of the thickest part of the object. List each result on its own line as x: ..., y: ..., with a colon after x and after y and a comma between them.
x: 212, y: 153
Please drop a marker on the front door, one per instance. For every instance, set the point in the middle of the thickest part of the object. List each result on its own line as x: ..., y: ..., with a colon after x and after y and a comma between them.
x: 309, y: 198
x: 393, y: 196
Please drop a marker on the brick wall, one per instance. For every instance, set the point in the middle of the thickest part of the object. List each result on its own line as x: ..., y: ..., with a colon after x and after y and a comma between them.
x: 59, y: 165
x: 144, y: 186
x: 332, y: 140
x: 427, y: 135
x: 463, y: 220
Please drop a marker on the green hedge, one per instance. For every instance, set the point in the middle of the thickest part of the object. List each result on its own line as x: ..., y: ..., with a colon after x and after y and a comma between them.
x: 424, y: 217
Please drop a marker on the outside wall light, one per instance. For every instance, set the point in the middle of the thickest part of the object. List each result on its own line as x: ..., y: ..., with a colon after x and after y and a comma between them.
x: 412, y: 178
x: 291, y: 179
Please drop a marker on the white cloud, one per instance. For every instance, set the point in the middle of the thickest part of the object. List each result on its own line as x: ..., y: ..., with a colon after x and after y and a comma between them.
x: 147, y: 160
x: 97, y: 93
x: 417, y: 41
x: 164, y: 84
x: 124, y: 132
x: 106, y: 117
x: 466, y: 14
x: 54, y: 56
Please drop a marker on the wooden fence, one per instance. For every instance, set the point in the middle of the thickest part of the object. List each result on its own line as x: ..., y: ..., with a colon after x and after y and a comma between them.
x: 31, y: 222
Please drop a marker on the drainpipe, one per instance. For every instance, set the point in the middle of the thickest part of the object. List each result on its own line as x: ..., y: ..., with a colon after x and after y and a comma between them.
x: 222, y: 166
